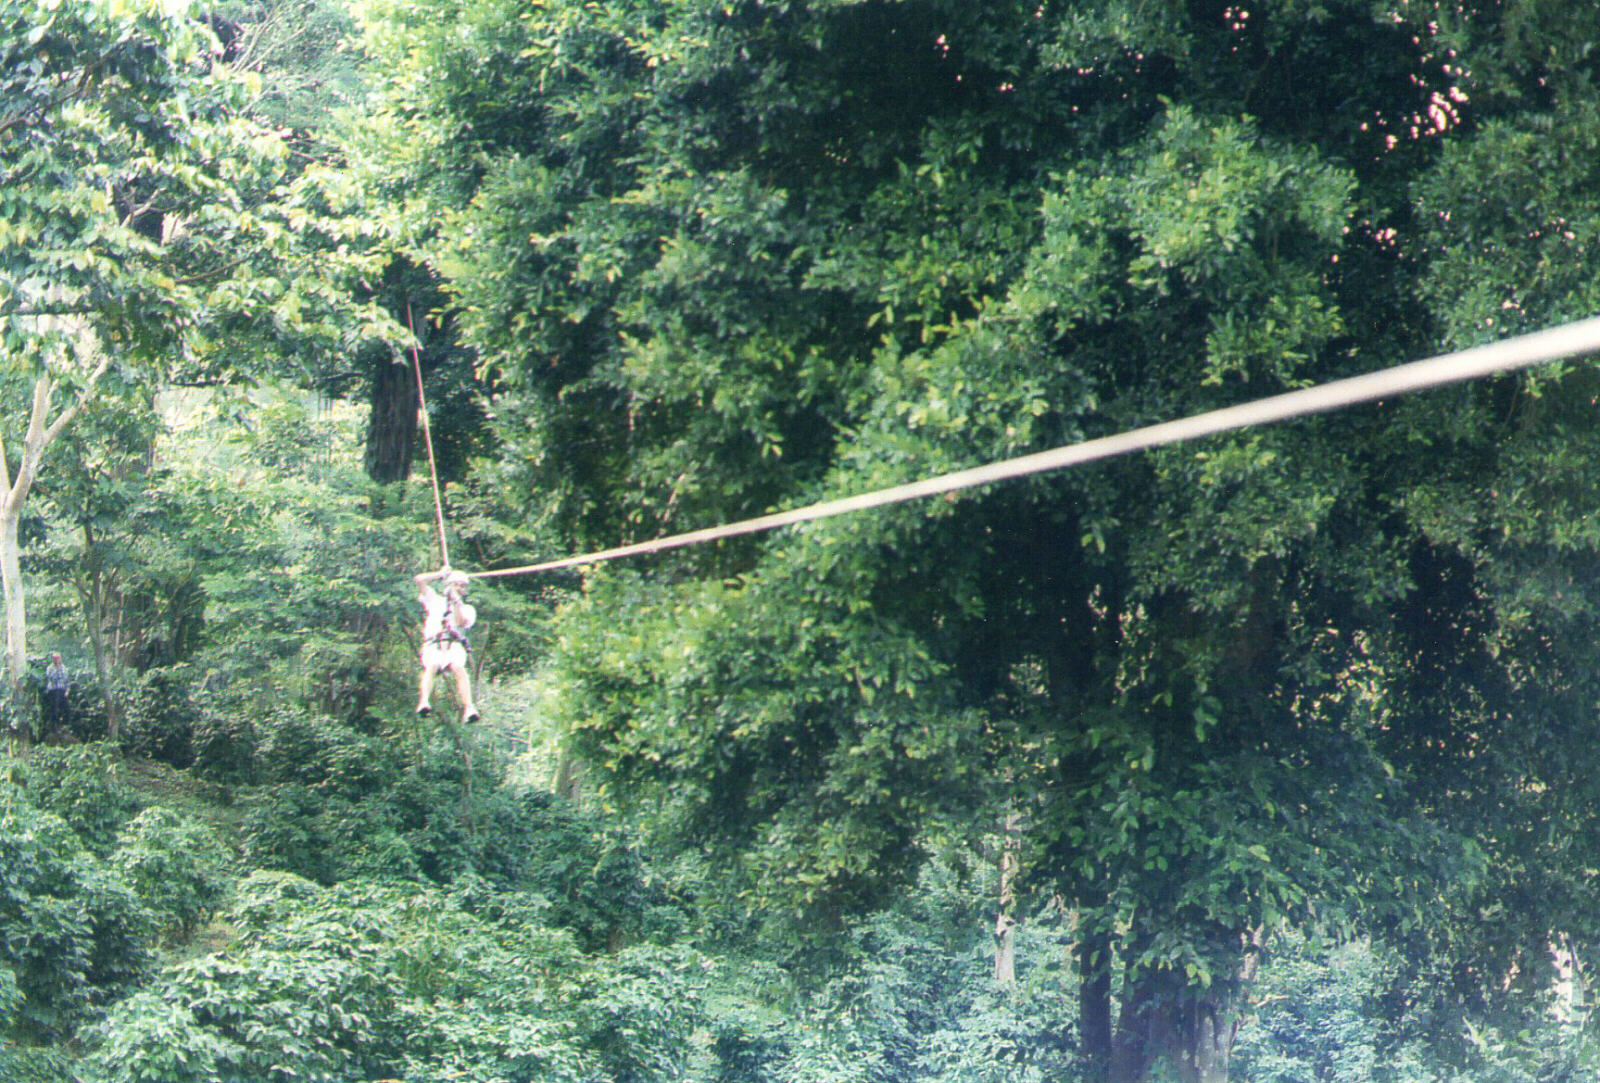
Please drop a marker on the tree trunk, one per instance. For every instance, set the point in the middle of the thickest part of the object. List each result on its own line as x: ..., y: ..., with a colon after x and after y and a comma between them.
x: 1167, y: 1023
x: 1005, y: 922
x: 392, y: 423
x: 16, y: 622
x: 1094, y: 1003
x: 40, y: 434
x: 1211, y: 1044
x: 102, y: 673
x: 11, y: 579
x: 1133, y: 1049
x: 567, y: 781
x: 1005, y: 950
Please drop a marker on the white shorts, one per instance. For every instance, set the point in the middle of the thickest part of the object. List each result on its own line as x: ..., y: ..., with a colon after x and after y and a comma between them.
x: 441, y: 655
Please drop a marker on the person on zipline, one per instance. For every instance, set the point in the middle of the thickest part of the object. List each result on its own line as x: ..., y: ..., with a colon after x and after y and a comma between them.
x: 445, y: 620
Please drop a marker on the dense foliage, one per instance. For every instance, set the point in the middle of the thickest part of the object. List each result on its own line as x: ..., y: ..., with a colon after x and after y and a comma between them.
x: 723, y: 257
x: 1263, y: 757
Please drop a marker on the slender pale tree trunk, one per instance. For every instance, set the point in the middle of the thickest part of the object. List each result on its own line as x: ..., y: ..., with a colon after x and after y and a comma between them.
x: 41, y: 433
x: 16, y: 626
x: 1005, y: 923
x: 11, y: 579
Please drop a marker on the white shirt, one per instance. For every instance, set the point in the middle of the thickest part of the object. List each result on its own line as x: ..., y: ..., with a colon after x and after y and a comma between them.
x: 436, y: 609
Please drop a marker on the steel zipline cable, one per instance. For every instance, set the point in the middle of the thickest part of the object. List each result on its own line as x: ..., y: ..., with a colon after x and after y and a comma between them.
x: 1509, y: 355
x: 427, y: 439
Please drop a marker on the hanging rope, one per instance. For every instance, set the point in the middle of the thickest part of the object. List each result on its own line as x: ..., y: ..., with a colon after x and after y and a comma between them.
x: 1508, y: 355
x: 427, y: 439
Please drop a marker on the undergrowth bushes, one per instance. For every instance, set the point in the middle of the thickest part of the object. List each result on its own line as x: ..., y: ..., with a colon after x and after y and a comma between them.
x: 332, y: 804
x: 176, y: 865
x: 74, y: 933
x: 370, y: 908
x: 365, y: 981
x: 81, y: 784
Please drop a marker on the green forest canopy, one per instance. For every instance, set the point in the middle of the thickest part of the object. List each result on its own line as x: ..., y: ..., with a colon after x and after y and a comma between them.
x: 1189, y: 717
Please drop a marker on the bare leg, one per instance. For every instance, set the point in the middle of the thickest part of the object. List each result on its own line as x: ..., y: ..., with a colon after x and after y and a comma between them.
x: 469, y: 711
x: 425, y: 690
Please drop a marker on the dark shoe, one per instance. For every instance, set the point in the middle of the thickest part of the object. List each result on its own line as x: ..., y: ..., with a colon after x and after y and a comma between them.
x: 472, y: 716
x: 424, y: 712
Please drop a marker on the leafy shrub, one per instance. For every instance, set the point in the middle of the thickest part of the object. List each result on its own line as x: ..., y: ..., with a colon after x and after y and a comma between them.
x: 79, y: 783
x: 1317, y: 1017
x: 1324, y: 1015
x: 432, y: 814
x: 87, y: 721
x: 749, y: 1040
x: 24, y: 1064
x: 264, y: 897
x: 366, y: 982
x: 337, y: 805
x: 327, y: 808
x: 10, y: 995
x: 224, y: 743
x: 72, y: 932
x: 22, y: 711
x: 911, y: 997
x: 313, y: 750
x: 1549, y: 1052
x: 640, y: 1017
x: 154, y: 1040
x: 176, y: 866
x: 997, y: 1035
x: 594, y: 876
x: 284, y: 828
x: 158, y: 715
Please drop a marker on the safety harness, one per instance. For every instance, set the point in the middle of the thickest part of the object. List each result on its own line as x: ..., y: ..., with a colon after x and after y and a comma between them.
x: 452, y: 635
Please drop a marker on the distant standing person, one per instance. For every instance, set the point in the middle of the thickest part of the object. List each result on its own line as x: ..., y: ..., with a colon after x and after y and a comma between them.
x: 56, y: 682
x: 445, y: 620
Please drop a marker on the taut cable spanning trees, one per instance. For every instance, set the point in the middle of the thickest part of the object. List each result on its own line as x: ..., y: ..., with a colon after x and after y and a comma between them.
x: 1509, y: 355
x: 447, y: 617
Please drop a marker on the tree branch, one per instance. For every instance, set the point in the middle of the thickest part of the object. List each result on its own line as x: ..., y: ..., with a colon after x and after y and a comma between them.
x: 78, y: 91
x: 212, y: 274
x: 33, y: 440
x: 45, y: 312
x: 83, y: 397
